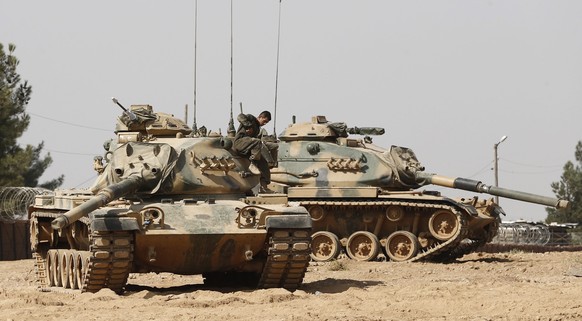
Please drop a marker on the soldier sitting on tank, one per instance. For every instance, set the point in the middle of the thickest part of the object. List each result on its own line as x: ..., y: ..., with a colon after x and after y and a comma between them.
x: 248, y: 143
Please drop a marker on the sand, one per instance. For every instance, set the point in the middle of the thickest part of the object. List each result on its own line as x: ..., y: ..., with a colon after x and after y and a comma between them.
x: 479, y: 286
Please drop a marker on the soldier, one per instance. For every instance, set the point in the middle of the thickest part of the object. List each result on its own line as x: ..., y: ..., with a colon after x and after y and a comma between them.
x: 248, y: 143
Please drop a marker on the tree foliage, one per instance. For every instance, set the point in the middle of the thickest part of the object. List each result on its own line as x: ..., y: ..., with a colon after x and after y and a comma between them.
x: 18, y: 166
x: 569, y: 188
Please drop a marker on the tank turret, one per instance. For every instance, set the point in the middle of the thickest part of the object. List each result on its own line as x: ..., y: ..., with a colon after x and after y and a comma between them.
x: 359, y: 163
x: 321, y: 129
x: 186, y: 162
x: 363, y: 197
x: 154, y: 157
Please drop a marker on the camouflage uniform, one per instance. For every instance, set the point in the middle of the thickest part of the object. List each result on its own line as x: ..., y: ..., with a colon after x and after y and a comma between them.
x: 248, y: 143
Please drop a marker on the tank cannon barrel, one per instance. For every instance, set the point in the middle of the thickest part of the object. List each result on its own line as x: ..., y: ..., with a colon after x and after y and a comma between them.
x: 477, y: 186
x: 103, y: 197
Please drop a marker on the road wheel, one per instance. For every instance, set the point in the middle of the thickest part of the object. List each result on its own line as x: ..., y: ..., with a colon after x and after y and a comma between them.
x: 443, y: 225
x: 363, y: 246
x: 402, y: 246
x: 54, y: 268
x: 325, y: 246
x: 64, y: 269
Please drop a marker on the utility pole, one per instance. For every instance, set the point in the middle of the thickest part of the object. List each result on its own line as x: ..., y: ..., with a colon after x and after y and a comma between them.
x: 495, y: 164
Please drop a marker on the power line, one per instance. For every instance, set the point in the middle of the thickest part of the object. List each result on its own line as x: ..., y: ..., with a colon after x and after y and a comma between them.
x: 530, y: 172
x: 85, y: 181
x: 70, y: 124
x: 486, y: 167
x: 68, y: 153
x: 550, y: 169
x: 541, y: 169
x: 530, y: 165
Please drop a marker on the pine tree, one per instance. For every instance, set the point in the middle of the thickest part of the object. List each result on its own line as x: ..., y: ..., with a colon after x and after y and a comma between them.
x: 569, y: 188
x: 18, y: 166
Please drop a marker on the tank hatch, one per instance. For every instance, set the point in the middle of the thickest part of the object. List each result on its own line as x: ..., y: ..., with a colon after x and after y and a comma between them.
x: 321, y: 129
x: 318, y: 129
x: 142, y: 119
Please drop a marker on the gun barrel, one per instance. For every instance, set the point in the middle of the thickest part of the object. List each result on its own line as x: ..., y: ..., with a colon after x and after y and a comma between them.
x: 366, y: 130
x: 479, y: 187
x: 119, y: 104
x: 527, y: 197
x: 104, y: 196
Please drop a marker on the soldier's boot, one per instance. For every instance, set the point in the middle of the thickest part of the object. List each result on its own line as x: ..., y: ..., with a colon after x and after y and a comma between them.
x: 264, y: 189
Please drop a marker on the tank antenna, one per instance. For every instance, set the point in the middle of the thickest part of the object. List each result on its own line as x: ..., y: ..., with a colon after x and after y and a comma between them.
x: 277, y: 73
x: 231, y: 132
x: 194, y: 126
x: 231, y: 69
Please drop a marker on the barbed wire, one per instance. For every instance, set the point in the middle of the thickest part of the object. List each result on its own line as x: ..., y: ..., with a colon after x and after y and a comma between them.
x: 14, y: 201
x: 534, y: 234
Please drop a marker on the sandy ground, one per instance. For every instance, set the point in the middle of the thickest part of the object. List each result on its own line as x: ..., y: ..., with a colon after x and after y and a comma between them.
x: 500, y: 286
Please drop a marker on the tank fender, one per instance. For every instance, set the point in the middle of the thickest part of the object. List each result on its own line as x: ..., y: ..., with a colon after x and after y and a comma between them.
x: 467, y: 208
x: 114, y: 224
x: 289, y: 221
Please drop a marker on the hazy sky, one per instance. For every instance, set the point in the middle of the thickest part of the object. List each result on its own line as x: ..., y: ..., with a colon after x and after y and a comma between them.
x: 445, y: 78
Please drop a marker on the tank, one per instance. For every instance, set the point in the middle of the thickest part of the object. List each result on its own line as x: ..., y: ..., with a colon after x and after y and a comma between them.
x: 366, y: 200
x: 168, y: 200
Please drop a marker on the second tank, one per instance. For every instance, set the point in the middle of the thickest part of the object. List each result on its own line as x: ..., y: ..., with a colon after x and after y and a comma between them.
x: 365, y: 199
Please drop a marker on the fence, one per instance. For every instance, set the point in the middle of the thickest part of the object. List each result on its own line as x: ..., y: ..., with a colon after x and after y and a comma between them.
x: 14, y: 228
x: 14, y: 240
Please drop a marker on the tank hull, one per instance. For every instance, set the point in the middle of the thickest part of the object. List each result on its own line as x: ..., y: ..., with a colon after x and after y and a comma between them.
x: 197, y: 238
x: 213, y: 238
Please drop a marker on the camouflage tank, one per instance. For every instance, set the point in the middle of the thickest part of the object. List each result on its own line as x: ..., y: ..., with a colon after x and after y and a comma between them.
x: 365, y: 198
x: 168, y: 201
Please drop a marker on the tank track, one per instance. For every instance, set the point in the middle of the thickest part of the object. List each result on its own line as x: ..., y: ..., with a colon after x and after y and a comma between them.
x: 40, y: 269
x: 39, y: 255
x: 110, y: 261
x: 287, y: 259
x: 429, y: 253
x: 468, y: 245
x: 106, y: 265
x: 465, y: 247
